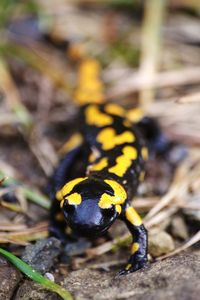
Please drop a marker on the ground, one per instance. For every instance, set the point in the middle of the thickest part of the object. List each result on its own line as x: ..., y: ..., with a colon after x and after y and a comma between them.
x: 38, y: 115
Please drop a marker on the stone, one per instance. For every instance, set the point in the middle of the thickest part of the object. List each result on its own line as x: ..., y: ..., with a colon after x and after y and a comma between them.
x: 160, y: 243
x: 30, y: 290
x: 9, y: 279
x: 42, y: 254
x: 179, y: 228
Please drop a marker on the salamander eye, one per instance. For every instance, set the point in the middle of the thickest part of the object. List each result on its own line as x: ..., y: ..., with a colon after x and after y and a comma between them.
x: 68, y: 208
x: 109, y: 212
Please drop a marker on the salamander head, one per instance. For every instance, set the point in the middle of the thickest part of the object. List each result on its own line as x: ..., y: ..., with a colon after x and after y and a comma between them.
x: 91, y: 205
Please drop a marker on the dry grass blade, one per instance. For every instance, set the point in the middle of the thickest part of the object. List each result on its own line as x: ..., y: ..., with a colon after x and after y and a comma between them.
x: 12, y: 227
x: 163, y: 202
x: 137, y: 82
x: 11, y: 206
x: 191, y: 98
x: 195, y: 239
x: 39, y: 62
x: 13, y: 97
x: 2, y: 180
x: 178, y: 187
x: 11, y: 184
x: 159, y: 217
x: 151, y: 34
x: 43, y: 150
x: 21, y: 237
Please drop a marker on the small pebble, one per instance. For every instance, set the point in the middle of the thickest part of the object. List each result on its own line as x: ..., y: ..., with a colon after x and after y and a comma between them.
x: 42, y: 254
x: 160, y: 244
x: 179, y: 228
x: 49, y: 276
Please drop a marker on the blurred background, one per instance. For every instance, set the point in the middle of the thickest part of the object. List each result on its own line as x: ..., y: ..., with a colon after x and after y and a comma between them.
x: 150, y: 56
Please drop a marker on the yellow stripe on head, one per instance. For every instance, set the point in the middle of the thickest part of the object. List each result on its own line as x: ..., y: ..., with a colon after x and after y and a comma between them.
x: 108, y: 138
x: 118, y: 208
x: 68, y: 187
x: 119, y: 197
x: 119, y: 192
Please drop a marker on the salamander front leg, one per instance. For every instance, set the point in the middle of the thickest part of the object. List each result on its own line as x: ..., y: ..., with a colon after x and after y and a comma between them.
x: 138, y: 258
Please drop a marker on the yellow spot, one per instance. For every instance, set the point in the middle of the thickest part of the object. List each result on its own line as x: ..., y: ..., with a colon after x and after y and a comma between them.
x: 74, y: 141
x: 144, y: 152
x: 114, y: 109
x: 135, y: 115
x: 124, y: 161
x: 68, y: 187
x: 95, y: 117
x: 119, y: 192
x: 119, y: 197
x: 108, y: 138
x: 59, y: 195
x: 118, y: 209
x: 106, y: 201
x: 128, y: 267
x: 100, y: 165
x: 134, y: 248
x: 142, y: 175
x: 133, y: 217
x: 90, y: 88
x: 74, y: 199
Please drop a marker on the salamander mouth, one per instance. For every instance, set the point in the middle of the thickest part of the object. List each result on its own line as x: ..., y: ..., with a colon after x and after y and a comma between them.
x: 90, y: 232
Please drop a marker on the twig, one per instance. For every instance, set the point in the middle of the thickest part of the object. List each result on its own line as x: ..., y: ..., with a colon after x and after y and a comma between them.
x: 32, y: 195
x: 137, y: 82
x: 26, y: 235
x: 195, y: 239
x: 191, y: 98
x: 12, y: 227
x: 151, y: 30
x: 177, y: 190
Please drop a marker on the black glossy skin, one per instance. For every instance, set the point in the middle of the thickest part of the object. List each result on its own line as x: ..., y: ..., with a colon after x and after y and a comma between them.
x: 87, y: 218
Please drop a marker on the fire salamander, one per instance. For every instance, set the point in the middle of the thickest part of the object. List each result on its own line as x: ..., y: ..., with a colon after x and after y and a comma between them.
x: 109, y: 154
